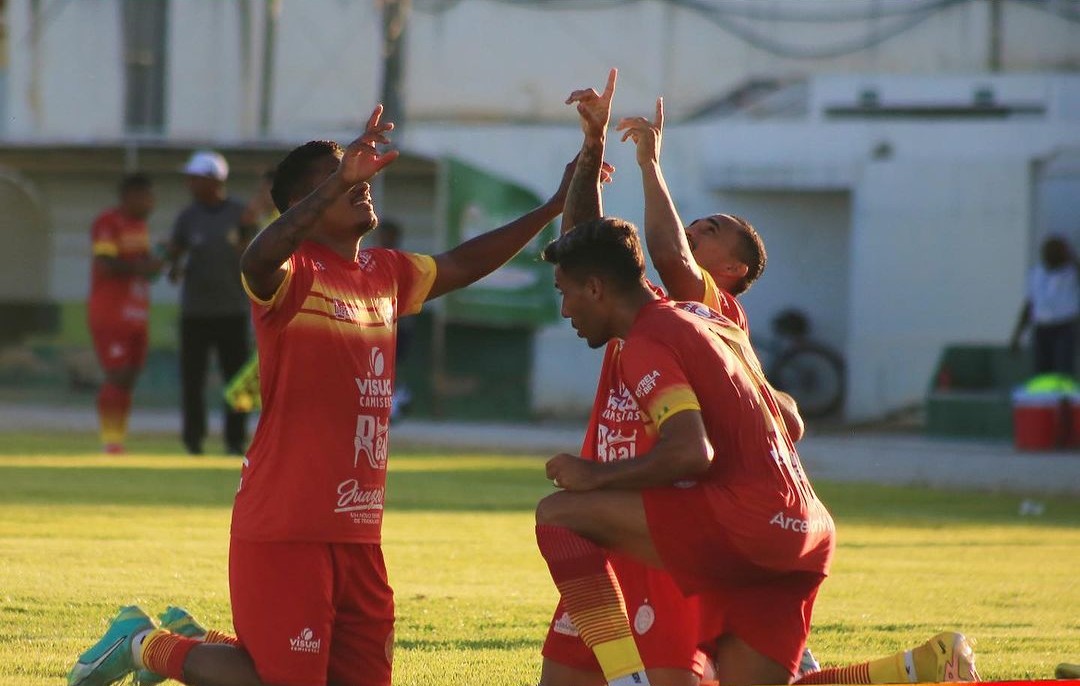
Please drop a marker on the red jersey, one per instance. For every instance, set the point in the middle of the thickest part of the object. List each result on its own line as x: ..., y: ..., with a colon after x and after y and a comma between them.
x: 127, y: 296
x: 617, y: 430
x: 316, y: 468
x: 684, y: 356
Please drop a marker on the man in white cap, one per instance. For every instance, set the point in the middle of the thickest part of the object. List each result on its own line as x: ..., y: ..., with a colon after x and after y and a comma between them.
x: 204, y: 257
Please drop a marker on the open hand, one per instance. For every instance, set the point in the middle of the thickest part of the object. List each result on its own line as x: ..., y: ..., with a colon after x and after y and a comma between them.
x: 646, y: 134
x: 362, y: 160
x: 595, y: 108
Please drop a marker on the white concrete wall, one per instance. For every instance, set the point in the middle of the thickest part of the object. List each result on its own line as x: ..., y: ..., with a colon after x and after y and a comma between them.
x: 937, y: 259
x: 70, y: 85
x: 483, y: 60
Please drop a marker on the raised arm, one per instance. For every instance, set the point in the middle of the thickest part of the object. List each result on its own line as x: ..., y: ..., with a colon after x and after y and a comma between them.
x: 664, y: 235
x: 263, y: 262
x: 583, y: 200
x: 477, y: 257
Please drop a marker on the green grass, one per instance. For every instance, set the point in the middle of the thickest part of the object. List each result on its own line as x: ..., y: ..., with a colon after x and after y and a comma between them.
x: 81, y: 534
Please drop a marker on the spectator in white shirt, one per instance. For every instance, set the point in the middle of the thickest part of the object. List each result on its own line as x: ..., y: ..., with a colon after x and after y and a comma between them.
x: 1052, y: 307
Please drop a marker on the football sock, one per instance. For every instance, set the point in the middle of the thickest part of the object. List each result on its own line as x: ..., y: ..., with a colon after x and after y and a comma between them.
x: 594, y: 602
x: 900, y: 668
x: 853, y: 674
x: 218, y: 638
x: 114, y: 405
x: 163, y: 652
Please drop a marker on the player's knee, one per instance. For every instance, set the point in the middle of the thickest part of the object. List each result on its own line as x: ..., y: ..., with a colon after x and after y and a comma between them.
x: 552, y: 510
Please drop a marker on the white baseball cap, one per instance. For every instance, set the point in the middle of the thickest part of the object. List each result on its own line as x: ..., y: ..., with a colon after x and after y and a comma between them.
x: 207, y: 163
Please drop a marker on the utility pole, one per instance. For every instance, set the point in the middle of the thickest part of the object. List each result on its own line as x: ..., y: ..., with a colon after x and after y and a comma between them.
x: 395, y: 16
x: 994, y: 56
x: 266, y: 83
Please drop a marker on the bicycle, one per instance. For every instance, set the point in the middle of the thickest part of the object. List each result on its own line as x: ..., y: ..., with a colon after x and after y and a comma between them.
x: 812, y: 372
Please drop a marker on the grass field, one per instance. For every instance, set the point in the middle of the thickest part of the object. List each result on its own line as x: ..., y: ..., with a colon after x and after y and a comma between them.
x: 81, y: 534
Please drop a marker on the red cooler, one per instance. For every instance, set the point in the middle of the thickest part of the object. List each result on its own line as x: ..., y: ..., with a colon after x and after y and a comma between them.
x: 1040, y: 421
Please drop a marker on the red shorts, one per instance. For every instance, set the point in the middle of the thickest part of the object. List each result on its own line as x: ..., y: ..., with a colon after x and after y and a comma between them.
x: 664, y: 622
x: 309, y: 613
x: 767, y: 607
x: 119, y: 343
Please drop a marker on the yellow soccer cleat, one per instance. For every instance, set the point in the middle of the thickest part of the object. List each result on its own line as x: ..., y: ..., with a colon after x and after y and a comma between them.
x: 947, y: 657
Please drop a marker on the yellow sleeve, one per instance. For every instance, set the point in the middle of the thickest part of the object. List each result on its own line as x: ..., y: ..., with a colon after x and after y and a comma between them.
x: 278, y: 294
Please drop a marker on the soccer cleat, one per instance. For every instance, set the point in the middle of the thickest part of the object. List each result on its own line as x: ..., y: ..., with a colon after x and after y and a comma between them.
x: 179, y: 621
x: 807, y: 664
x: 951, y: 655
x: 110, y: 660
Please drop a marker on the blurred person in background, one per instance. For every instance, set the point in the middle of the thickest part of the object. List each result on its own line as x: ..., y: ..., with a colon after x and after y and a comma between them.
x: 208, y: 237
x: 1051, y: 308
x: 119, y: 305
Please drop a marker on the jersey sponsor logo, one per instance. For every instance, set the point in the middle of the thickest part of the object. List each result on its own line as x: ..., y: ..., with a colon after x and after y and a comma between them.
x: 565, y: 626
x: 647, y: 384
x: 372, y: 440
x: 621, y: 407
x: 345, y: 311
x: 644, y: 618
x: 612, y: 445
x: 701, y: 311
x: 305, y: 642
x: 352, y: 497
x: 801, y: 526
x: 319, y: 266
x: 366, y: 261
x: 375, y: 391
x: 376, y: 361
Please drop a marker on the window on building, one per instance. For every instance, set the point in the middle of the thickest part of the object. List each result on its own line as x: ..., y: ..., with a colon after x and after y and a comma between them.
x: 144, y: 65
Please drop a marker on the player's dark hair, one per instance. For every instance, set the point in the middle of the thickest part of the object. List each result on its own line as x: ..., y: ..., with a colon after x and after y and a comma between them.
x: 293, y: 176
x: 138, y: 181
x: 1055, y: 252
x: 750, y: 250
x: 608, y: 247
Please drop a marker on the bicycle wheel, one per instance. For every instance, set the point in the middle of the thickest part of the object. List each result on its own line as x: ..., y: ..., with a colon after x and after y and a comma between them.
x: 814, y: 376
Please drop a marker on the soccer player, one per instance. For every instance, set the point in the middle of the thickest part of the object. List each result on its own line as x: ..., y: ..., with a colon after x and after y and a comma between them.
x: 119, y: 303
x: 310, y: 599
x: 665, y: 622
x: 720, y: 501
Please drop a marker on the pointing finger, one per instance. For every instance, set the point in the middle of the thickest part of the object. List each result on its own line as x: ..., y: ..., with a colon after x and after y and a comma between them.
x: 609, y: 90
x: 660, y: 113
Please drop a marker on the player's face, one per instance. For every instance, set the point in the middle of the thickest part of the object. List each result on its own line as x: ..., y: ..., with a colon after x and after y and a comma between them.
x: 581, y: 305
x: 714, y: 244
x: 138, y: 202
x: 352, y: 214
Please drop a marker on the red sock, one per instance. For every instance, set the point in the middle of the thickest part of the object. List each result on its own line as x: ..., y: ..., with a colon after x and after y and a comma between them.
x: 591, y: 595
x: 114, y: 405
x: 853, y: 674
x: 164, y: 653
x: 217, y: 638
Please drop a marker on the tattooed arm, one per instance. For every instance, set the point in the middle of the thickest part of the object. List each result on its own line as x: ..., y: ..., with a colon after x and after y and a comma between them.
x: 263, y: 262
x: 583, y: 200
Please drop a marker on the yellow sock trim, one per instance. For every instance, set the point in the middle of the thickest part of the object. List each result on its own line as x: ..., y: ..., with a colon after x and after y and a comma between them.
x: 888, y: 670
x: 618, y: 658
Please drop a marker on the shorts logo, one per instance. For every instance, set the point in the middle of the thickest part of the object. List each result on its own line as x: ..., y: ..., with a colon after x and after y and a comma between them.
x: 305, y: 642
x: 563, y: 625
x: 647, y: 384
x: 644, y: 619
